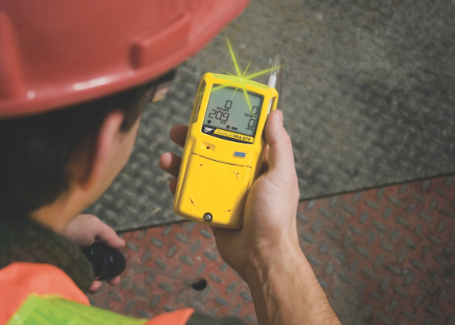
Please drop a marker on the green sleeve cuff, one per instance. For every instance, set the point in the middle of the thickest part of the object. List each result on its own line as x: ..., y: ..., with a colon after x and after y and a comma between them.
x: 55, y: 310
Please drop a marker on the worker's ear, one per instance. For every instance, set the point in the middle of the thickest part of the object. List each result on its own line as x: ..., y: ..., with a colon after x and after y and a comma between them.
x: 90, y: 160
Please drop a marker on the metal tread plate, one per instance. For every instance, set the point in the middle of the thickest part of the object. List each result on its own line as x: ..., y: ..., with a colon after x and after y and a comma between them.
x: 383, y: 256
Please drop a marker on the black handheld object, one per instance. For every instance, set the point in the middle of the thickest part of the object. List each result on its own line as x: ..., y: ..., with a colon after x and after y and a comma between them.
x: 107, y: 262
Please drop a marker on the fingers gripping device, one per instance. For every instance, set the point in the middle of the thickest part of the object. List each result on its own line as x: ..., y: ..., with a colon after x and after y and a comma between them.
x: 224, y: 147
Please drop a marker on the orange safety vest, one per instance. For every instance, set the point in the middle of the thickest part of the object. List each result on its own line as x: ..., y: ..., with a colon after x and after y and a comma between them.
x: 19, y: 280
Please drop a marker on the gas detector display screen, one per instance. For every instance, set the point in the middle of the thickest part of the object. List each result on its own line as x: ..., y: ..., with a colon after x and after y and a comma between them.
x: 228, y: 110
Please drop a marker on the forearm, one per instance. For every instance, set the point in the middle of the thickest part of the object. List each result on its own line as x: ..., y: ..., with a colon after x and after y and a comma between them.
x: 286, y: 292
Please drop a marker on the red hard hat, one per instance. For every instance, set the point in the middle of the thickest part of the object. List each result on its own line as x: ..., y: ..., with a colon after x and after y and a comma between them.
x: 57, y: 53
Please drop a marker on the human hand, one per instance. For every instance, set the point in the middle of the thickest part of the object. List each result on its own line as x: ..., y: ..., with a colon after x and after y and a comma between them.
x: 265, y: 251
x: 269, y: 224
x: 84, y: 230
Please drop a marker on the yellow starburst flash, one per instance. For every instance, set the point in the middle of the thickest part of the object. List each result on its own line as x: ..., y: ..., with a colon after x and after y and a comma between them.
x: 242, y: 76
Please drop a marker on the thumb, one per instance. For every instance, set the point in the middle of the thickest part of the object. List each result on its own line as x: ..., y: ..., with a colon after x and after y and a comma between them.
x: 281, y: 157
x: 108, y: 236
x: 103, y: 233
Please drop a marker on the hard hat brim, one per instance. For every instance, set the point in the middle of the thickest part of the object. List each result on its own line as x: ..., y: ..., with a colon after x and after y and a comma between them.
x: 36, y: 83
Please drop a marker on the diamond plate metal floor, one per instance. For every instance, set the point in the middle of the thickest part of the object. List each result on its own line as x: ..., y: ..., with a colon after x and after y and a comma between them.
x: 367, y: 97
x: 383, y: 256
x: 186, y: 248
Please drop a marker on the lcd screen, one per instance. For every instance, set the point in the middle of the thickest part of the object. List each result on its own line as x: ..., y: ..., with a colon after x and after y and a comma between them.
x: 228, y: 110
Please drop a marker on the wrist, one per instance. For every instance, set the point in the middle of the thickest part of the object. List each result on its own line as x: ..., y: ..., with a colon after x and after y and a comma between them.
x: 284, y: 287
x: 270, y: 260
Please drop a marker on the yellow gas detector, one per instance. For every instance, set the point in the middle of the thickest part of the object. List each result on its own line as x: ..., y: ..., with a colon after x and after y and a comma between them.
x: 223, y: 149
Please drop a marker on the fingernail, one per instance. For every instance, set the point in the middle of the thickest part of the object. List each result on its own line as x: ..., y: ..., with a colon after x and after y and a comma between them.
x: 279, y: 117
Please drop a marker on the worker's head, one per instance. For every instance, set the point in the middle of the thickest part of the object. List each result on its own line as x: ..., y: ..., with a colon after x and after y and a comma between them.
x: 74, y: 78
x: 83, y: 145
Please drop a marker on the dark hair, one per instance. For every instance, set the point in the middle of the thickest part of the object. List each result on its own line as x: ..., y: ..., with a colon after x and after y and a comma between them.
x: 34, y: 150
